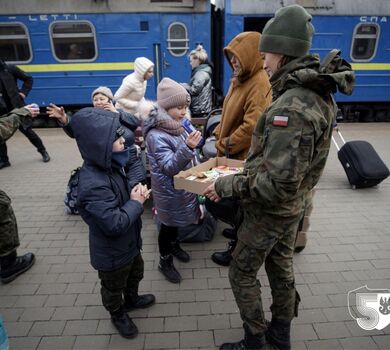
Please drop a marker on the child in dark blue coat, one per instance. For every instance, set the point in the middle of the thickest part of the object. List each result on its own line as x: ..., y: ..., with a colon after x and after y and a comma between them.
x: 113, y: 214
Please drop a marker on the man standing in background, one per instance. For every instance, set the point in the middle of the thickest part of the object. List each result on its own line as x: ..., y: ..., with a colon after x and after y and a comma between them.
x: 12, y: 97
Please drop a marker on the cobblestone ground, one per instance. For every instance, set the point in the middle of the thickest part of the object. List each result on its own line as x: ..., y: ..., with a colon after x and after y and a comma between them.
x: 56, y: 304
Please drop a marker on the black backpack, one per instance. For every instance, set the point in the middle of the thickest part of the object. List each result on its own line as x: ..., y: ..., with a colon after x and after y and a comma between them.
x: 70, y: 199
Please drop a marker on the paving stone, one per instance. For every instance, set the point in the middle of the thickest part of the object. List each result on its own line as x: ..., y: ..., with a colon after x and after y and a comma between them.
x: 91, y: 342
x: 357, y: 331
x: 61, y: 342
x: 358, y: 343
x: 51, y: 288
x: 80, y: 288
x: 222, y: 307
x: 88, y: 299
x: 196, y: 339
x: 315, y: 301
x: 11, y: 314
x: 30, y: 301
x: 47, y: 328
x: 80, y: 327
x: 96, y: 313
x: 68, y: 313
x: 117, y: 342
x: 310, y: 316
x: 209, y: 295
x: 162, y: 341
x: 24, y: 343
x: 211, y: 322
x: 383, y: 342
x: 328, y: 344
x: 337, y: 314
x: 37, y: 314
x: 18, y: 329
x: 61, y: 300
x: 181, y: 323
x: 164, y: 310
x: 198, y: 308
x: 302, y: 332
x: 331, y: 330
x: 179, y: 296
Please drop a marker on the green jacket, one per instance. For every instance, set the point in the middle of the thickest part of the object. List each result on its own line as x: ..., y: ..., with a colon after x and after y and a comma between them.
x: 10, y: 122
x: 290, y: 142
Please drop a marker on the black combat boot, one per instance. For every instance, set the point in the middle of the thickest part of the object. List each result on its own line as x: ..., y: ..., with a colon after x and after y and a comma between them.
x: 45, y: 156
x: 179, y: 253
x: 224, y: 258
x: 124, y: 324
x: 136, y: 301
x: 12, y: 265
x: 278, y: 334
x: 250, y: 342
x: 230, y: 233
x: 167, y: 268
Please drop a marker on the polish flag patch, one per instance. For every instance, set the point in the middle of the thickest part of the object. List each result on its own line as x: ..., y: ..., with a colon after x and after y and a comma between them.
x: 280, y: 120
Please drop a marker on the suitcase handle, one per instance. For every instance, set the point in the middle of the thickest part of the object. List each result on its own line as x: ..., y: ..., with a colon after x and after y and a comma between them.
x: 341, y: 137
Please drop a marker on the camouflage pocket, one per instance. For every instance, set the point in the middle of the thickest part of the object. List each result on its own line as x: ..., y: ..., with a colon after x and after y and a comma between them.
x: 248, y: 259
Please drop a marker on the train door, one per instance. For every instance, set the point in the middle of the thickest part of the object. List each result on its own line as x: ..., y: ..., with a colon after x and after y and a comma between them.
x: 175, y: 46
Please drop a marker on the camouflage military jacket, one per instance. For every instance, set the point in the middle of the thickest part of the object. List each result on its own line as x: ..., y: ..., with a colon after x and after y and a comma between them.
x: 10, y: 122
x: 291, y: 141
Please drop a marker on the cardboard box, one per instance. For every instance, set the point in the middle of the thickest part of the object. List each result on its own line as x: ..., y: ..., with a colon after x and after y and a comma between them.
x: 301, y: 240
x: 306, y: 224
x: 199, y: 185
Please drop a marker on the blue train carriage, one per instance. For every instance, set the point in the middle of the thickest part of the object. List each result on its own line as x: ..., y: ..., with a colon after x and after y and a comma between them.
x: 71, y: 47
x: 360, y: 29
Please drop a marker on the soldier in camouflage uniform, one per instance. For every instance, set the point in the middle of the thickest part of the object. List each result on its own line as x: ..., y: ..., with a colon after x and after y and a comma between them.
x: 289, y: 148
x: 11, y: 264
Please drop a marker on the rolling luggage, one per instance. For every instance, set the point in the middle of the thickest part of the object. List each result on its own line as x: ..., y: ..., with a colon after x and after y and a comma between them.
x: 363, y: 166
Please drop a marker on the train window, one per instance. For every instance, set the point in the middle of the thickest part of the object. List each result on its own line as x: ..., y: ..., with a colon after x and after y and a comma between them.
x: 15, y: 44
x: 365, y: 41
x: 73, y: 41
x: 144, y: 26
x: 177, y: 39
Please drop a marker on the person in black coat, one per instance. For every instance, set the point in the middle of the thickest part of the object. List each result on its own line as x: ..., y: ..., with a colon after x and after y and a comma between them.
x: 12, y: 97
x: 113, y: 213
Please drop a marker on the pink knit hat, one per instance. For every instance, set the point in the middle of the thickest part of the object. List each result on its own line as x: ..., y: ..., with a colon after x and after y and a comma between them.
x: 171, y: 94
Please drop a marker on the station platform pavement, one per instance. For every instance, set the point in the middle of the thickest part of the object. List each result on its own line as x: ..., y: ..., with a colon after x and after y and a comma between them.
x: 56, y: 304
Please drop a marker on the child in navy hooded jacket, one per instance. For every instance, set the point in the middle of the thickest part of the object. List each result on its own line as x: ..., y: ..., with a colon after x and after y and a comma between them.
x: 113, y: 214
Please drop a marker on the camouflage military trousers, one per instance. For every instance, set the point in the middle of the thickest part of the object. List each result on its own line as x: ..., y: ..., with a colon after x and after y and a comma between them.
x: 121, y: 283
x: 9, y: 238
x: 273, y: 246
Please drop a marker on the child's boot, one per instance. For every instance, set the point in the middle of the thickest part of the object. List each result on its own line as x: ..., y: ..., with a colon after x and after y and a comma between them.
x: 124, y: 324
x: 136, y: 301
x: 179, y: 253
x: 167, y: 268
